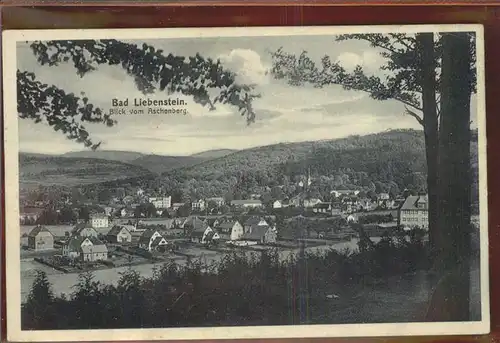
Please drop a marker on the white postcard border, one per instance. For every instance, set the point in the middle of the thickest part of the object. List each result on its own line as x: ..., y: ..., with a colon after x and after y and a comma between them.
x: 11, y: 161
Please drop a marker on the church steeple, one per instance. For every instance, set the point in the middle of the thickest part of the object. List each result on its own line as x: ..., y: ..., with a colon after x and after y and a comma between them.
x: 309, y: 180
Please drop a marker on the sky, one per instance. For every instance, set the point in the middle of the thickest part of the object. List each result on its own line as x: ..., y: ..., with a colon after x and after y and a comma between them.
x: 284, y: 113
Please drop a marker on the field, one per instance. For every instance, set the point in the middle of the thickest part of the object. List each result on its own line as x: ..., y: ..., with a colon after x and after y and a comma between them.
x: 47, y: 170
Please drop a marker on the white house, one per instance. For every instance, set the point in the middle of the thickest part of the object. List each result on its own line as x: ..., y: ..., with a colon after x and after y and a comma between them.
x: 415, y: 212
x: 322, y: 207
x: 99, y: 221
x: 119, y: 234
x: 161, y: 202
x: 209, y: 235
x: 177, y: 205
x: 246, y: 203
x: 152, y: 240
x: 231, y: 230
x: 352, y: 218
x: 277, y: 204
x: 86, y: 248
x: 348, y: 192
x: 217, y: 200
x: 311, y: 202
x: 198, y: 205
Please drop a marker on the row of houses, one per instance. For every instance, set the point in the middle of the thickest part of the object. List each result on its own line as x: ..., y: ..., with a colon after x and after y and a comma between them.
x: 255, y: 230
x: 84, y: 241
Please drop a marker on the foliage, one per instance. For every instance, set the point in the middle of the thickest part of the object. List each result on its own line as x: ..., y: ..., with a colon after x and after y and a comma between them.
x: 401, y: 80
x: 240, y: 289
x: 151, y: 69
x: 40, y: 300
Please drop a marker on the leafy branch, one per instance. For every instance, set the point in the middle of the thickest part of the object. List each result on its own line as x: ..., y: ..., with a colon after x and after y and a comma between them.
x: 204, y: 79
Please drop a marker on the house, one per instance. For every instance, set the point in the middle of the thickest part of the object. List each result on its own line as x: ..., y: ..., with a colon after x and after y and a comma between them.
x: 109, y: 210
x: 383, y: 196
x: 230, y: 230
x: 193, y: 222
x: 197, y: 229
x: 415, y: 212
x: 140, y: 192
x: 151, y: 240
x: 30, y: 214
x: 254, y: 221
x: 99, y: 221
x: 40, y: 238
x: 87, y: 249
x: 336, y: 211
x: 127, y: 200
x: 217, y: 200
x: 84, y: 230
x: 213, y: 222
x: 296, y: 201
x: 277, y: 204
x: 161, y: 202
x: 97, y: 252
x: 119, y: 234
x: 209, y: 236
x: 352, y: 218
x: 322, y: 207
x: 203, y: 234
x: 311, y: 202
x: 262, y: 234
x: 367, y: 205
x: 344, y: 192
x: 387, y: 204
x: 252, y: 203
x: 177, y: 205
x: 198, y: 205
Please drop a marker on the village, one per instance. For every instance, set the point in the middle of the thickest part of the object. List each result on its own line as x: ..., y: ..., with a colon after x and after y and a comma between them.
x: 142, y: 229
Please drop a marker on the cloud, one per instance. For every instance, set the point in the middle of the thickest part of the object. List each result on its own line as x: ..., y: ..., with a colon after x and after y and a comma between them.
x: 247, y: 65
x: 370, y: 60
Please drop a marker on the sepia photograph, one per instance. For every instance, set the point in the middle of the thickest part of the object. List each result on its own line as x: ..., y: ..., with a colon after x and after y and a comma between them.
x: 245, y: 182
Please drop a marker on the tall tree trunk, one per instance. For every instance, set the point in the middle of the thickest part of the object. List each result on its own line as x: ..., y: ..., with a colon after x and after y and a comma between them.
x: 430, y: 121
x: 455, y: 177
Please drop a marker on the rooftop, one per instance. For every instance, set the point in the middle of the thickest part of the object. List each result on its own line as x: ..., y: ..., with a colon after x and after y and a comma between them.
x: 37, y: 229
x: 412, y: 201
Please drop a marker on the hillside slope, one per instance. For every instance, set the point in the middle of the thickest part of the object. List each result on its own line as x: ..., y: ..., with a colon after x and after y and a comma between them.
x: 111, y: 155
x: 320, y: 156
x: 159, y: 164
x: 71, y: 171
x: 214, y: 153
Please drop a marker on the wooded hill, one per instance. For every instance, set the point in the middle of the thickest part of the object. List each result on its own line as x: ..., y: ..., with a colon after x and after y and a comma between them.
x: 389, y: 161
x: 47, y: 170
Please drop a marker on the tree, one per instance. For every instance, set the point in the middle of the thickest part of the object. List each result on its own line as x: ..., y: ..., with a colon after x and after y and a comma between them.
x: 151, y: 69
x: 48, y: 217
x: 412, y: 62
x: 67, y: 215
x: 455, y: 175
x: 184, y: 210
x: 40, y: 300
x: 84, y: 213
x: 86, y: 298
x: 104, y: 195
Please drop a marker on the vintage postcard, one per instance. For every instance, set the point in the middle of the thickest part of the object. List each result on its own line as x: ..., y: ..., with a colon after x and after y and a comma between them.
x: 245, y: 183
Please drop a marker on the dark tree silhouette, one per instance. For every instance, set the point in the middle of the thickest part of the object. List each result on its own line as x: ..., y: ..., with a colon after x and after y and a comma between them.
x: 413, y: 63
x: 40, y: 300
x: 151, y: 69
x: 455, y: 174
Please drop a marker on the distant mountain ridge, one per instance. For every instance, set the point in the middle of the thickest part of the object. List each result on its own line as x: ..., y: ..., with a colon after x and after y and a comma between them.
x: 47, y: 170
x: 111, y: 155
x: 157, y: 164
